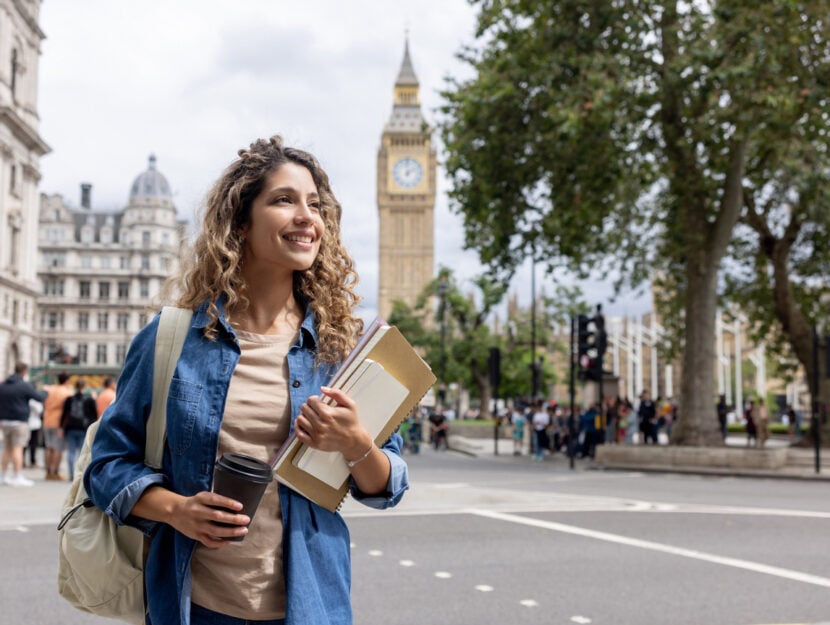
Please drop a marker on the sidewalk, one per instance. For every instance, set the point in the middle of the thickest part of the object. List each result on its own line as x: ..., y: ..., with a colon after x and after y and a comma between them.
x: 799, y: 464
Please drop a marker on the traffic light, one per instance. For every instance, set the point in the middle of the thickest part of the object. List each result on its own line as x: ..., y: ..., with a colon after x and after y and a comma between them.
x: 592, y: 341
x: 585, y: 345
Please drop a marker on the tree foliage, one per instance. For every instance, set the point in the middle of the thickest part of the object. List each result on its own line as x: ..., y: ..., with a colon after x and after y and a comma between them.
x: 622, y: 133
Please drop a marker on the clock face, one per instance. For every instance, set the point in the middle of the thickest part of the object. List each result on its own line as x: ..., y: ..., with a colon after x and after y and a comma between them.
x: 407, y: 172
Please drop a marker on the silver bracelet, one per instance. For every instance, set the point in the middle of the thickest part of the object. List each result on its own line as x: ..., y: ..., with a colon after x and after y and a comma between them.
x: 352, y: 463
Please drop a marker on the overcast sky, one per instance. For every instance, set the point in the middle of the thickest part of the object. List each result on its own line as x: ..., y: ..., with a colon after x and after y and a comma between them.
x: 192, y: 81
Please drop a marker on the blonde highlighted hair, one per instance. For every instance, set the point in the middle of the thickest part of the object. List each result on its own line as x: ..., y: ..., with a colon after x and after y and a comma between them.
x: 211, y: 268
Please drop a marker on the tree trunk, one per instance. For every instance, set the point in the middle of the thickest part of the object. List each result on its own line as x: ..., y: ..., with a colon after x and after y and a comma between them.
x: 697, y: 423
x: 799, y: 333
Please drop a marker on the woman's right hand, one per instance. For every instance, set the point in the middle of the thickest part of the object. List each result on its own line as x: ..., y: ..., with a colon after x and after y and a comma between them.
x: 196, y: 517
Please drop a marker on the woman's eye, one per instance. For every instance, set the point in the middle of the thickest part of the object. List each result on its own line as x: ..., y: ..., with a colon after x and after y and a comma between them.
x: 283, y: 199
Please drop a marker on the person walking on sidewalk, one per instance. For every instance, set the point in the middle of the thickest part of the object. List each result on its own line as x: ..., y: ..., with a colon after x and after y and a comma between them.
x: 761, y: 418
x: 15, y: 394
x: 52, y: 434
x: 78, y: 414
x: 105, y: 397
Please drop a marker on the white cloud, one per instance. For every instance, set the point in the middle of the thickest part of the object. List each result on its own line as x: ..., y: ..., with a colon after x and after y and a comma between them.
x: 192, y: 81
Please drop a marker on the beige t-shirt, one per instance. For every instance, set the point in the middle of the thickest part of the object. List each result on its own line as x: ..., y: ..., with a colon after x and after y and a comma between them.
x: 245, y: 579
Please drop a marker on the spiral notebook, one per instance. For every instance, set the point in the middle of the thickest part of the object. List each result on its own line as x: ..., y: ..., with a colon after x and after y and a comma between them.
x: 387, y: 378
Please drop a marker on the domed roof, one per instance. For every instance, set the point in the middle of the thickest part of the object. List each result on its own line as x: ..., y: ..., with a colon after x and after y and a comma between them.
x: 151, y: 184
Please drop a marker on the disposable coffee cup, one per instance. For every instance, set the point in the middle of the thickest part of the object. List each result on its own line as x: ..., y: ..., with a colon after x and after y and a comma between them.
x: 242, y: 478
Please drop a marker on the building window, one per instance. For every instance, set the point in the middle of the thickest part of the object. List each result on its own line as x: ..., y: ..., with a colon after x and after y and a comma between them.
x: 101, y: 354
x: 122, y: 321
x: 83, y: 353
x: 105, y: 262
x: 83, y: 321
x: 145, y: 261
x: 86, y: 262
x: 144, y: 289
x: 87, y: 235
x: 106, y: 235
x: 123, y: 290
x: 85, y: 289
x: 120, y: 354
x: 53, y: 287
x: 55, y: 260
x: 52, y: 320
x: 103, y: 321
x: 103, y: 290
x: 145, y: 239
x: 125, y: 262
x: 142, y: 320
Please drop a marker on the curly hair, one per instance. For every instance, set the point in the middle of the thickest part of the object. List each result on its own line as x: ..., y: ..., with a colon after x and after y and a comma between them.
x: 211, y: 268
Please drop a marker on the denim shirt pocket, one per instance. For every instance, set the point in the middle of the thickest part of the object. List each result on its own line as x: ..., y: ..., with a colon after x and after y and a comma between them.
x: 182, y: 410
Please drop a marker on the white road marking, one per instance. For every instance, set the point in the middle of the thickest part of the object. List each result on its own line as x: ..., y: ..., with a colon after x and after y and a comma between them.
x: 484, y: 588
x: 580, y: 619
x: 406, y: 563
x: 443, y: 575
x: 529, y: 603
x: 15, y: 528
x: 755, y: 567
x: 375, y: 552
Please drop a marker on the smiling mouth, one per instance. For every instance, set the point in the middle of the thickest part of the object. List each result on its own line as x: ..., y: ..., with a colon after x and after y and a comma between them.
x: 296, y: 238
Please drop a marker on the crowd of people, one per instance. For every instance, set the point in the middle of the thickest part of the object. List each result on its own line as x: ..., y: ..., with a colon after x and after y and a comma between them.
x: 54, y: 418
x: 549, y: 428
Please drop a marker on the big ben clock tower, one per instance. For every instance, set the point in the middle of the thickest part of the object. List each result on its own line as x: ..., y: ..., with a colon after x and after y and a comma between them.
x: 406, y: 196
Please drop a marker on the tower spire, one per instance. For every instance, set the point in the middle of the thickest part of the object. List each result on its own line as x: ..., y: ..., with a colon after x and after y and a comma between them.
x: 406, y: 76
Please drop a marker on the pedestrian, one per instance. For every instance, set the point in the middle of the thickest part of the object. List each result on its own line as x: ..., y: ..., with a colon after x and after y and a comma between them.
x: 78, y: 414
x: 15, y: 394
x: 540, y: 421
x: 722, y: 410
x: 35, y: 431
x: 751, y: 431
x: 647, y: 413
x: 272, y: 289
x: 105, y: 397
x: 52, y: 433
x: 761, y: 418
x: 588, y: 431
x: 517, y: 420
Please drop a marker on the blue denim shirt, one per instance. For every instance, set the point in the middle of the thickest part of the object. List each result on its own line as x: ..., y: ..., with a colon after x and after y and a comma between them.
x: 316, y: 557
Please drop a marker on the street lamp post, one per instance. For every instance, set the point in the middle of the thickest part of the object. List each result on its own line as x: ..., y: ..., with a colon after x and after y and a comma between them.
x: 442, y: 311
x: 534, y: 376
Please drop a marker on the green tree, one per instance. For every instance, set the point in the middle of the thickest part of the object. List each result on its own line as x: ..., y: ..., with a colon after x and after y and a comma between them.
x: 619, y: 134
x: 461, y: 354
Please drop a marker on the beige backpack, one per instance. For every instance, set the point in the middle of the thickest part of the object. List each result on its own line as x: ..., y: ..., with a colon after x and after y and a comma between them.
x: 101, y: 563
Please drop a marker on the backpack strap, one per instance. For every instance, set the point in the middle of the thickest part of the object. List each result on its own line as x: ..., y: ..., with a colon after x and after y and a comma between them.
x: 172, y: 330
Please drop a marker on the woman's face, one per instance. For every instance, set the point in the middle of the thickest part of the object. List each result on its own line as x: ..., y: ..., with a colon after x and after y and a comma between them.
x: 286, y: 223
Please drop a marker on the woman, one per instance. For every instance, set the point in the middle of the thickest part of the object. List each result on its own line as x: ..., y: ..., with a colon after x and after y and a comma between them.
x: 273, y: 293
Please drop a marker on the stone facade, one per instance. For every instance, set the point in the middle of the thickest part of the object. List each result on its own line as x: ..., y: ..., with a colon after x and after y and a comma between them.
x: 99, y: 270
x: 20, y: 150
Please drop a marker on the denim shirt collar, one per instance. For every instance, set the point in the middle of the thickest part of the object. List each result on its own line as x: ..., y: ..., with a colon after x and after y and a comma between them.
x: 308, y: 328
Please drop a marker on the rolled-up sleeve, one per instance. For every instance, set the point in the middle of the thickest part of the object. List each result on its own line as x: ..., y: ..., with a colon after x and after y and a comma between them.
x: 398, y: 482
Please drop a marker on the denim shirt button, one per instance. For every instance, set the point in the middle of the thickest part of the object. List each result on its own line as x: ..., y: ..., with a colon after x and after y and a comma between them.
x: 296, y: 384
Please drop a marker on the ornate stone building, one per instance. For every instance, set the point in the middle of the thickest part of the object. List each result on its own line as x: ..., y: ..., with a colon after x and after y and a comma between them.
x: 406, y: 196
x: 20, y: 150
x: 99, y: 270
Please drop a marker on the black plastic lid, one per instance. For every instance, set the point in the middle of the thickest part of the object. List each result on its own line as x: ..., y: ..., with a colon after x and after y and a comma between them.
x: 251, y: 468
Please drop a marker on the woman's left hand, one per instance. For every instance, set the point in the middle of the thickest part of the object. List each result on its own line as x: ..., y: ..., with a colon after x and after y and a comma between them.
x: 332, y: 426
